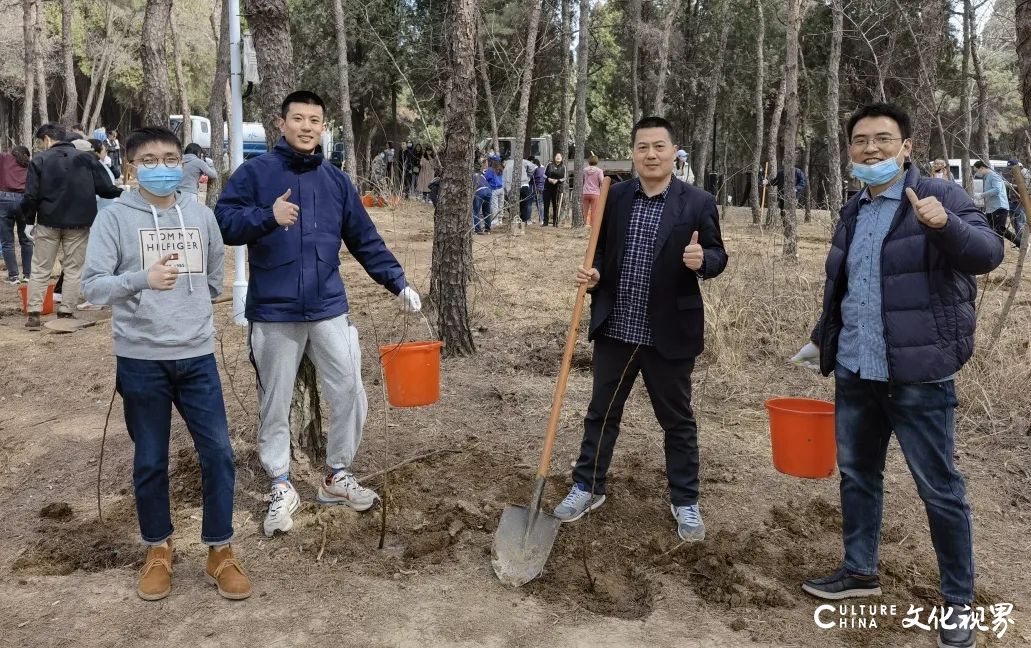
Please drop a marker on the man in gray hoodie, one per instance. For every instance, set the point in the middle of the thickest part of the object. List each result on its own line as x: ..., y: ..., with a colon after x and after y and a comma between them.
x: 156, y: 257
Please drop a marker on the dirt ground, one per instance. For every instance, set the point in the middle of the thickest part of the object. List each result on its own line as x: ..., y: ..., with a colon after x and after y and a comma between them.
x: 68, y: 578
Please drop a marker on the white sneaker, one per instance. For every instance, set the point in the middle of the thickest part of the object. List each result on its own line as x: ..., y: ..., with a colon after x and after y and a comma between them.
x: 283, y: 502
x: 343, y: 488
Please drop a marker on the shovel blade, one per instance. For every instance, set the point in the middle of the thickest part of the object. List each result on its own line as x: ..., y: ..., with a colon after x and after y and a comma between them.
x: 522, y: 544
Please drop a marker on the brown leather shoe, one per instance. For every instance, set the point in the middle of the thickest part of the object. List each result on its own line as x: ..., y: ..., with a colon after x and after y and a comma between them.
x: 156, y: 575
x: 226, y: 573
x: 32, y: 322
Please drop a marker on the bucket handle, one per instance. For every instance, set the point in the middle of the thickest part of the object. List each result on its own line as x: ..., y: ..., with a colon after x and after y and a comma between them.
x: 426, y: 320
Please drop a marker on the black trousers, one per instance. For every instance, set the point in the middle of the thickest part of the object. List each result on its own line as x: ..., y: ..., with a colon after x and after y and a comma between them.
x: 669, y: 387
x: 999, y: 220
x: 551, y: 196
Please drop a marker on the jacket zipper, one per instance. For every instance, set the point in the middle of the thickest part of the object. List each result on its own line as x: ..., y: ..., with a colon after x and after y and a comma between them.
x: 896, y: 221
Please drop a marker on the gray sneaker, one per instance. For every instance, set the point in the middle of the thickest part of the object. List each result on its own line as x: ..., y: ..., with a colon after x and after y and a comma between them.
x: 577, y: 504
x: 689, y: 522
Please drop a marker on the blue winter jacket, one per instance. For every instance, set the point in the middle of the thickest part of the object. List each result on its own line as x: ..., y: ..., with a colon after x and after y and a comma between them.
x: 294, y: 271
x: 927, y: 284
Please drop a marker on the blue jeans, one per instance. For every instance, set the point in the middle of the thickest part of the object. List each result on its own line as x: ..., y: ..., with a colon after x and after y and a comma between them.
x: 11, y: 223
x: 481, y: 209
x: 922, y: 416
x: 149, y: 389
x: 525, y: 201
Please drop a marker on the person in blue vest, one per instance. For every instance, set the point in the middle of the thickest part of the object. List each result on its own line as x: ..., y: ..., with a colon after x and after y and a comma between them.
x: 897, y: 325
x: 293, y: 208
x: 800, y: 185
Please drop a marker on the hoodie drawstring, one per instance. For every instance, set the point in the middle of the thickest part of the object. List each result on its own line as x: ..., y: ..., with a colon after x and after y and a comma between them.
x: 182, y: 228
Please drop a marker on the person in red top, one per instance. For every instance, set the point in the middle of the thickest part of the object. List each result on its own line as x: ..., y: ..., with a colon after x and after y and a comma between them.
x: 13, y: 167
x: 593, y: 176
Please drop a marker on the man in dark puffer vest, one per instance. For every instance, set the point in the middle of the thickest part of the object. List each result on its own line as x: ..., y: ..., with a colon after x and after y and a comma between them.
x: 897, y: 324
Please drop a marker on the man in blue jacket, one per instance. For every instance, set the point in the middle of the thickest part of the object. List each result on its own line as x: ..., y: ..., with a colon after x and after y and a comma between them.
x: 898, y: 323
x: 293, y: 208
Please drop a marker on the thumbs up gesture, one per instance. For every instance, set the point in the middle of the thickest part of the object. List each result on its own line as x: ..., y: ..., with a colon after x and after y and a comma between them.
x: 285, y: 211
x: 161, y: 276
x: 929, y: 210
x: 693, y: 254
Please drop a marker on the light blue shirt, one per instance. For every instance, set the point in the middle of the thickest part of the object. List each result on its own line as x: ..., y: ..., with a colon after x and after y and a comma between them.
x: 994, y: 193
x: 861, y: 346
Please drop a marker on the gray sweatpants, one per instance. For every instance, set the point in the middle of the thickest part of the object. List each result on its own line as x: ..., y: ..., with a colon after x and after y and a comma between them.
x: 332, y: 346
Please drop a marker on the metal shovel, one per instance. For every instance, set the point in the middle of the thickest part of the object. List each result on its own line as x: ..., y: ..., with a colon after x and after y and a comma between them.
x: 526, y: 534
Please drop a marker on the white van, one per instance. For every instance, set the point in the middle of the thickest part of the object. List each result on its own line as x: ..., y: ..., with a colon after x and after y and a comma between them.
x: 201, y: 129
x: 999, y: 166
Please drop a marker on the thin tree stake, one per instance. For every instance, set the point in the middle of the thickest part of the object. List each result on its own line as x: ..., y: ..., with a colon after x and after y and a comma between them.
x: 103, y: 438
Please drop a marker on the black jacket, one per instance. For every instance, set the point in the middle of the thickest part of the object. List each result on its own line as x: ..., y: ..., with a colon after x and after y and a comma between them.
x: 927, y: 283
x: 62, y: 186
x: 555, y: 172
x: 675, y: 299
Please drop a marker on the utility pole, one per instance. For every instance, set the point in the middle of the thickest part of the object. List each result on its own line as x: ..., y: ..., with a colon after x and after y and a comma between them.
x: 236, y: 149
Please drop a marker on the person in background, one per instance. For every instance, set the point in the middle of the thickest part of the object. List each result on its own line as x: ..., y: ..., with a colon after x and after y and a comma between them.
x: 481, y: 200
x: 940, y: 170
x: 1017, y: 214
x: 13, y: 168
x: 555, y: 184
x: 682, y: 169
x: 100, y: 150
x: 496, y: 182
x: 415, y: 166
x: 778, y: 182
x: 592, y: 177
x: 60, y: 202
x: 996, y: 205
x: 537, y: 183
x: 194, y: 166
x: 427, y: 173
x: 114, y: 150
x: 388, y: 157
x: 522, y: 194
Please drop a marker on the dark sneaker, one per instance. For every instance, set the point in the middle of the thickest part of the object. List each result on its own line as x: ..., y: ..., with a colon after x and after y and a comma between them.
x: 959, y: 635
x: 577, y: 504
x: 14, y: 281
x: 841, y: 585
x: 32, y: 323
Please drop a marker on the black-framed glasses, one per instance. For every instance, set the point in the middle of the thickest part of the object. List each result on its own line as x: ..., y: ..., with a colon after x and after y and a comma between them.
x: 880, y: 141
x: 149, y: 162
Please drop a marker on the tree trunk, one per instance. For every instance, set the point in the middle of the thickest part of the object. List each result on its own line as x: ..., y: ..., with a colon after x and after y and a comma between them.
x: 582, y: 55
x: 1022, y: 13
x: 488, y: 92
x: 519, y: 132
x: 834, y: 181
x: 660, y: 88
x: 981, y: 142
x: 567, y: 37
x: 99, y: 64
x: 794, y: 24
x: 156, y: 94
x: 964, y: 100
x: 452, y: 248
x: 217, y: 106
x: 28, y: 8
x: 771, y: 152
x: 344, y: 87
x: 42, y: 103
x: 705, y: 133
x: 71, y: 93
x: 94, y: 118
x: 635, y: 59
x: 269, y: 21
x: 186, y: 132
x: 757, y: 151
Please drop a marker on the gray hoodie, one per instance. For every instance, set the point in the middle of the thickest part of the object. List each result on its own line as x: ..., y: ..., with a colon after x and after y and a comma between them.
x: 193, y: 168
x: 128, y: 238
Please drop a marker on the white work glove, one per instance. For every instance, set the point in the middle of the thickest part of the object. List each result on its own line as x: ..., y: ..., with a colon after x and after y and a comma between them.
x: 808, y: 357
x: 28, y: 230
x: 409, y: 300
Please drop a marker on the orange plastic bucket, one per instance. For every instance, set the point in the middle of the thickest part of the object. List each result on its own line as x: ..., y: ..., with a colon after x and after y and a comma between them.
x: 368, y: 200
x: 412, y: 372
x: 802, y: 436
x: 48, y: 300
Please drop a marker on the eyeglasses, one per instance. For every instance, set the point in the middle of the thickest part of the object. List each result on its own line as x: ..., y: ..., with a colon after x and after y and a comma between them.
x: 153, y: 162
x: 880, y: 141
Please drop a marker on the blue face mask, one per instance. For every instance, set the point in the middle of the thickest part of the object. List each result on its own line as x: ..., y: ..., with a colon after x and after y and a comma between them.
x: 876, y: 174
x: 161, y: 180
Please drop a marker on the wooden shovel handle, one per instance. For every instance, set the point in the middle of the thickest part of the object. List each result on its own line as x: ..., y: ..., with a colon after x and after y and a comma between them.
x: 574, y: 328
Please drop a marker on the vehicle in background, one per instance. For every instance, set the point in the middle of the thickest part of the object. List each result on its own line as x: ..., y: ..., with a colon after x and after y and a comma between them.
x: 336, y: 154
x: 201, y: 129
x: 254, y: 143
